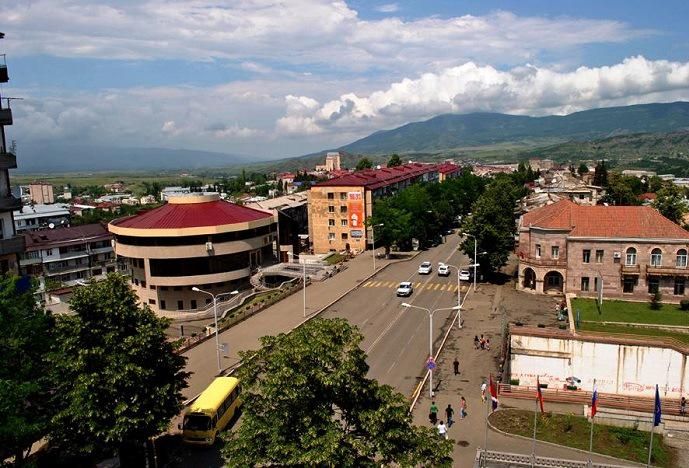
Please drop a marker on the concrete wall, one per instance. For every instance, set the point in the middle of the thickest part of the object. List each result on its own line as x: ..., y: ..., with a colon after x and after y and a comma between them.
x: 617, y: 368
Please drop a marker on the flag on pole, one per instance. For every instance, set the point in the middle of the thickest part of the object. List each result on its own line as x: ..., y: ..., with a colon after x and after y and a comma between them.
x: 656, y: 409
x: 594, y: 401
x: 539, y: 394
x: 493, y: 393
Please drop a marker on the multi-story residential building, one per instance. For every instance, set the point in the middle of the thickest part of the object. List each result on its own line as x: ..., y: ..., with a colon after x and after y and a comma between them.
x: 69, y: 255
x: 339, y: 207
x: 629, y: 251
x: 41, y: 193
x: 37, y: 216
x: 194, y: 240
x: 11, y: 245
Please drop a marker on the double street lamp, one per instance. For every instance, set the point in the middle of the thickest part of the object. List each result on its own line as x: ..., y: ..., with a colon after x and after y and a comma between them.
x: 475, y: 261
x: 215, y: 316
x: 430, y: 334
x: 373, y: 240
x: 459, y: 289
x: 303, y: 280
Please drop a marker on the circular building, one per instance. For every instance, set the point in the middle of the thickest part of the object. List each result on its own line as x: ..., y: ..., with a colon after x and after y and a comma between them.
x: 193, y: 240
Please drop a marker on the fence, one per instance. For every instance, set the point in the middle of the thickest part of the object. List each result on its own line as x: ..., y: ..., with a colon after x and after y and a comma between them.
x: 489, y: 458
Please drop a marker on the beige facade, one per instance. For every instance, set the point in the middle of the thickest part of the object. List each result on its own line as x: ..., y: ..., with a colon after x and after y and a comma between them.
x: 165, y: 263
x: 42, y: 193
x: 336, y: 218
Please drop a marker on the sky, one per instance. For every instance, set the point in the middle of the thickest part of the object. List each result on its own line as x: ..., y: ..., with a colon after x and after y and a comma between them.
x: 271, y: 79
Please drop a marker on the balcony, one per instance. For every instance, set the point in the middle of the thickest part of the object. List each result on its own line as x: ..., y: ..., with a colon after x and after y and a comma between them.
x: 543, y: 262
x: 6, y: 116
x: 666, y: 271
x: 8, y: 161
x: 630, y: 270
x: 9, y: 203
x: 12, y: 245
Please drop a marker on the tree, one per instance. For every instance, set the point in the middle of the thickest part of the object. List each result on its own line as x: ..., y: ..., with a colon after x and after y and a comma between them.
x: 656, y: 301
x: 623, y: 190
x: 600, y: 175
x: 25, y: 338
x: 396, y: 225
x: 308, y: 401
x: 394, y: 160
x: 671, y: 203
x: 364, y: 163
x: 583, y: 169
x: 117, y: 378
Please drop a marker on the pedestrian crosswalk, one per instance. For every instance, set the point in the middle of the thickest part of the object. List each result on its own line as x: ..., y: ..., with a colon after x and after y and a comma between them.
x: 417, y: 286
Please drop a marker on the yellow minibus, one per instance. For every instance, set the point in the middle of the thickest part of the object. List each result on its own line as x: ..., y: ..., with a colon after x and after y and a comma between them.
x: 211, y: 411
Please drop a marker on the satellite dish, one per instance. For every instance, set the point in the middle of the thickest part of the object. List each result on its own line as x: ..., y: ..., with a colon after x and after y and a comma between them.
x: 51, y: 226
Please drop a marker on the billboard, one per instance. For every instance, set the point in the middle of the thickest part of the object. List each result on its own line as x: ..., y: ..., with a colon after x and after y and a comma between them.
x: 355, y: 210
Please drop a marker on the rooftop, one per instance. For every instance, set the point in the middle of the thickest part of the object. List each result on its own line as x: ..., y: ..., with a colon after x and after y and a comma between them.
x: 39, y: 209
x: 65, y: 236
x: 191, y: 212
x: 377, y: 178
x: 641, y: 222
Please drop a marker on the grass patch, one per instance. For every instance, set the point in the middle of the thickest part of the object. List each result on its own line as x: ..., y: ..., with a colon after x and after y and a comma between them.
x: 630, y: 330
x: 334, y: 258
x: 632, y: 312
x: 573, y: 431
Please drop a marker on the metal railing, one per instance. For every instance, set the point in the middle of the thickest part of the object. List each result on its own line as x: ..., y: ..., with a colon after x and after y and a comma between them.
x: 491, y: 458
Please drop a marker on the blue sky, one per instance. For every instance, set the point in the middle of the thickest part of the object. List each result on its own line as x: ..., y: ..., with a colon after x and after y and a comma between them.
x: 273, y: 79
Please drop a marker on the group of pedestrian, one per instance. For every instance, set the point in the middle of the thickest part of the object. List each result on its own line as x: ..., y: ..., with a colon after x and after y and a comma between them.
x: 449, y: 416
x: 683, y: 406
x: 481, y: 343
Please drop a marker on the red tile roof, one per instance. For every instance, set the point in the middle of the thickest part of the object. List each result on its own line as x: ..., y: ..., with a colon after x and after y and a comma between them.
x: 448, y: 168
x: 377, y: 178
x: 189, y: 215
x: 65, y: 236
x: 647, y: 196
x: 605, y: 221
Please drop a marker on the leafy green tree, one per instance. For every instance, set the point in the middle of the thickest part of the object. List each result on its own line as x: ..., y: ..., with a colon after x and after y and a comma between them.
x: 394, y: 160
x: 308, y: 401
x: 600, y: 174
x: 583, y: 169
x: 117, y: 378
x: 655, y: 183
x: 364, y: 163
x: 671, y: 203
x: 492, y: 223
x: 396, y: 225
x: 25, y: 339
x: 623, y: 190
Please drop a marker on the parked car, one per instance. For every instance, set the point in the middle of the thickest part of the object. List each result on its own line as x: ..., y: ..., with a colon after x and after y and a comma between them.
x: 425, y: 268
x: 443, y: 270
x: 464, y: 275
x: 405, y: 289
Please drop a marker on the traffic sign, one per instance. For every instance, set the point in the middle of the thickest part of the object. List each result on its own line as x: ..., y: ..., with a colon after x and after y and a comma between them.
x: 430, y: 364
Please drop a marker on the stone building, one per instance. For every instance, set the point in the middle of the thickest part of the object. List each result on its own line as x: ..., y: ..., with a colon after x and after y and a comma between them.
x: 631, y: 251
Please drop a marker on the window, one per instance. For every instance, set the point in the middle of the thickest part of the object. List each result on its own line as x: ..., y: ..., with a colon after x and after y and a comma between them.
x: 656, y: 257
x: 180, y: 305
x: 331, y: 196
x: 331, y: 222
x: 628, y: 284
x: 48, y: 252
x: 331, y: 236
x: 143, y: 283
x: 162, y: 305
x: 343, y: 195
x: 596, y: 284
x: 653, y: 284
x: 682, y: 258
x: 136, y: 281
x: 193, y: 303
x: 163, y: 288
x: 343, y: 209
x: 538, y: 250
x: 344, y: 236
x: 586, y: 256
x: 343, y: 222
x: 599, y: 256
x: 555, y: 252
x: 152, y: 301
x: 585, y: 283
x: 679, y: 286
x: 177, y: 288
x: 153, y: 286
x: 331, y: 208
x: 631, y: 256
x: 208, y: 301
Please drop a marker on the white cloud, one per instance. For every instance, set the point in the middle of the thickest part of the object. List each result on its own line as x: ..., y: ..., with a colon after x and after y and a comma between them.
x: 388, y: 8
x: 470, y: 87
x: 298, y: 32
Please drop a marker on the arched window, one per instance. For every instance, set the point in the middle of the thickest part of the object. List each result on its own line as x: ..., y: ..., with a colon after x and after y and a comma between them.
x: 631, y: 256
x: 656, y: 257
x: 682, y: 258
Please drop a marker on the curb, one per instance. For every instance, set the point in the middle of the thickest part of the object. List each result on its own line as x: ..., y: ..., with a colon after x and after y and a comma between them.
x: 552, y: 444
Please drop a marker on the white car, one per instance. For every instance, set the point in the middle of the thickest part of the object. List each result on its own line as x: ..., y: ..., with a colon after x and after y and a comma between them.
x: 405, y: 289
x: 425, y: 268
x: 464, y: 275
x: 443, y: 270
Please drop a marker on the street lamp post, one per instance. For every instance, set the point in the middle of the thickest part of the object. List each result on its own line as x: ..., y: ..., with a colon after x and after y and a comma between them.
x: 459, y: 291
x: 475, y: 261
x: 373, y: 240
x: 430, y: 334
x: 215, y: 316
x: 303, y: 281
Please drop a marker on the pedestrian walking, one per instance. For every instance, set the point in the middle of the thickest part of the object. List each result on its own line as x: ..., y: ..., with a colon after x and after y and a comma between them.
x: 683, y: 406
x: 442, y: 429
x: 449, y: 413
x: 484, y: 386
x: 482, y: 342
x: 487, y: 345
x: 462, y: 408
x: 476, y: 342
x: 433, y: 413
x: 455, y: 365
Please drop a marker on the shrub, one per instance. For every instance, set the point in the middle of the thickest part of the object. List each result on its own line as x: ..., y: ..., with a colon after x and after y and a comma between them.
x: 656, y: 301
x: 684, y: 304
x: 514, y: 381
x: 568, y: 423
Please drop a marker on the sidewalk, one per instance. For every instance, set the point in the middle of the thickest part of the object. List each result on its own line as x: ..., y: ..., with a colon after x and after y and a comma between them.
x: 279, y: 318
x: 482, y: 315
